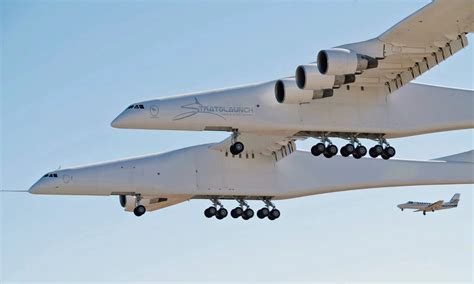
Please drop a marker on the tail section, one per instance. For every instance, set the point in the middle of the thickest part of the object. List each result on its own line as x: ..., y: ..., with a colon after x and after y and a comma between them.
x: 455, y: 199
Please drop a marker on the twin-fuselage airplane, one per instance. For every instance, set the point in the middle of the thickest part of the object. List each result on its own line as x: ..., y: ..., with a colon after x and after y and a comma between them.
x: 359, y: 91
x: 426, y: 207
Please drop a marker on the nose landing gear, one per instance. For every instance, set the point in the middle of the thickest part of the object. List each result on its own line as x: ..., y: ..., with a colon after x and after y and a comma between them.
x: 236, y: 147
x: 139, y: 209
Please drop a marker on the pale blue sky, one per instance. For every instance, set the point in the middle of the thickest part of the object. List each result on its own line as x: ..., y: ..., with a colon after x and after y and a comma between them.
x: 69, y: 67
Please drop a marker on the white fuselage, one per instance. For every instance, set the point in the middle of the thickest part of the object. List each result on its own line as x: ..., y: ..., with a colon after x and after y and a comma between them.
x: 412, y: 110
x: 200, y: 172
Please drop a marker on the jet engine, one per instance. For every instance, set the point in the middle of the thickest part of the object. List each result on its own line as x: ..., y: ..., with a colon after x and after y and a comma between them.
x: 127, y: 202
x: 341, y: 61
x: 287, y: 92
x: 308, y: 77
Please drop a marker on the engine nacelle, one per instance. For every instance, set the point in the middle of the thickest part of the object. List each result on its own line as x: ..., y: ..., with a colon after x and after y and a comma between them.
x: 341, y: 61
x: 127, y: 202
x: 308, y: 77
x: 287, y: 92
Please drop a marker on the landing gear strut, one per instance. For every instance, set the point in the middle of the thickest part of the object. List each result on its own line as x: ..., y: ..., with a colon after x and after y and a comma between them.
x: 236, y: 147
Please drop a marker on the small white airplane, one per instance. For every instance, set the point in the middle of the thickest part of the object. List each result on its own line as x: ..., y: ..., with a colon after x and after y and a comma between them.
x: 354, y: 91
x: 426, y: 207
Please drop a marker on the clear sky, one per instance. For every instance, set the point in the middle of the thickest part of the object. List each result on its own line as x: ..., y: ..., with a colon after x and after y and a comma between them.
x: 69, y: 67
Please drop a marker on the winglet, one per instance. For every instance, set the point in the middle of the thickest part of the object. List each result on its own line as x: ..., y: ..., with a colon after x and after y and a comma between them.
x: 465, y: 157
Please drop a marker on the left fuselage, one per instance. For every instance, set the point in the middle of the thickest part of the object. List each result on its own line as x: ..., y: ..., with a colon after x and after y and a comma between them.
x: 412, y: 110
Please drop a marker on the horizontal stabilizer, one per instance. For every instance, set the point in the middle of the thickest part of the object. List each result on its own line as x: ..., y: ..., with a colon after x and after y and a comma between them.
x: 465, y: 157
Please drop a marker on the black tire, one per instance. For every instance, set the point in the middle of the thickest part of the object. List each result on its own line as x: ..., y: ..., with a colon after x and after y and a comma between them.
x: 361, y: 150
x: 372, y: 153
x: 139, y: 210
x: 275, y: 213
x: 385, y: 157
x: 390, y: 151
x: 262, y: 213
x: 236, y: 148
x: 332, y: 149
x: 356, y: 155
x: 221, y: 213
x: 424, y: 212
x: 327, y: 154
x: 378, y: 149
x: 349, y: 148
x: 318, y: 149
x: 248, y: 213
x: 270, y: 217
x: 236, y: 212
x: 344, y: 151
x: 210, y: 212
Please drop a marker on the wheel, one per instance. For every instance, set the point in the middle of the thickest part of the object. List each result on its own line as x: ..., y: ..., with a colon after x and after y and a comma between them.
x: 424, y: 212
x: 236, y: 212
x: 327, y: 154
x: 210, y: 212
x: 318, y: 149
x: 344, y: 151
x: 349, y: 148
x: 275, y: 214
x: 248, y: 213
x: 372, y: 153
x: 332, y: 149
x: 262, y: 213
x: 384, y: 156
x: 356, y: 155
x: 361, y: 150
x: 376, y: 151
x: 236, y: 148
x: 139, y: 210
x: 221, y: 213
x: 389, y: 151
x: 402, y: 209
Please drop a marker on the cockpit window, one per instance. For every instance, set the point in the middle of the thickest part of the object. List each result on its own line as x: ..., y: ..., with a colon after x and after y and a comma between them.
x: 51, y: 175
x: 136, y: 107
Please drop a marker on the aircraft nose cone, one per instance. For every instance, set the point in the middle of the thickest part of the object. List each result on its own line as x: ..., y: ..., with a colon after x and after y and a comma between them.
x: 119, y: 121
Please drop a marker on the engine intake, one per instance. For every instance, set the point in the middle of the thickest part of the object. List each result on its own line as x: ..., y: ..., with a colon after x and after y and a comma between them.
x: 287, y: 92
x: 308, y: 77
x: 341, y: 61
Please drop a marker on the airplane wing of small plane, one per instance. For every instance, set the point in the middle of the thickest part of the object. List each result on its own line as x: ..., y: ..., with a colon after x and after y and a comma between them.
x: 413, y: 46
x: 433, y: 206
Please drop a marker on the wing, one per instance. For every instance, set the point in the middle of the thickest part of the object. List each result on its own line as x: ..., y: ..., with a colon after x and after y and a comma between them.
x: 276, y: 147
x: 433, y: 206
x: 416, y: 44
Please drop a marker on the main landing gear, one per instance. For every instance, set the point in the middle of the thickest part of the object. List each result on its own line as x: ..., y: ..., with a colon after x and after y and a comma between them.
x: 243, y: 210
x: 236, y: 147
x: 272, y: 214
x: 324, y: 147
x: 139, y: 209
x: 383, y: 149
x: 212, y: 211
x: 354, y: 148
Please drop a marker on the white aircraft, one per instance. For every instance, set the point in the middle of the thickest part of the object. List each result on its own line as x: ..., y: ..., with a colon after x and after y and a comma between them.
x: 355, y: 91
x: 426, y: 207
